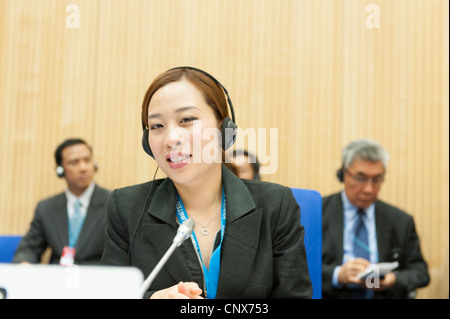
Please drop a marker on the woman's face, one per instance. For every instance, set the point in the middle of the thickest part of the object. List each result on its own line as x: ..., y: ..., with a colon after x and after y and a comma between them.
x: 180, y: 145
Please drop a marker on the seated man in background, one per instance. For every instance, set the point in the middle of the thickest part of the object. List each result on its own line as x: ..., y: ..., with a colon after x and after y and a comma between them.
x: 247, y: 165
x: 358, y: 230
x: 71, y: 223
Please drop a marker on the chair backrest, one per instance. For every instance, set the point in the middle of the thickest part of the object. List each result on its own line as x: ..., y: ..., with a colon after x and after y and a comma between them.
x: 8, y: 246
x: 310, y: 202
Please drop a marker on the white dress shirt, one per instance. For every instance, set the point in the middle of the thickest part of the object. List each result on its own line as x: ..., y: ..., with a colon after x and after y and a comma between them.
x: 84, y: 198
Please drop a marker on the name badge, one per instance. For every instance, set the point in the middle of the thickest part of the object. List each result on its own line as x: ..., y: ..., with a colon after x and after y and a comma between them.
x: 67, y: 256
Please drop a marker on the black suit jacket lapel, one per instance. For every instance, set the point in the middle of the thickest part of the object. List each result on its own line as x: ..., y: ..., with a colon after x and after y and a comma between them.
x: 384, y: 232
x: 60, y: 220
x: 238, y: 253
x: 241, y: 238
x: 160, y: 236
x: 336, y: 227
x: 91, y: 220
x: 162, y: 230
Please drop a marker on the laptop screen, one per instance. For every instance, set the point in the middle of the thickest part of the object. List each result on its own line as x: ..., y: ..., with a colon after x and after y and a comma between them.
x: 72, y: 282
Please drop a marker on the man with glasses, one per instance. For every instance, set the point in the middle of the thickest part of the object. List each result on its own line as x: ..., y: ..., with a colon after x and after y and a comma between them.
x: 359, y: 230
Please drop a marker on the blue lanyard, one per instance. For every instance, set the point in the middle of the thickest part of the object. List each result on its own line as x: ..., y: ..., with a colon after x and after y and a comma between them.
x: 211, y: 274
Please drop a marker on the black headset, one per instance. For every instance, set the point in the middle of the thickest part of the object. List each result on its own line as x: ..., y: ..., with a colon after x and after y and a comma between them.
x: 340, y: 174
x: 60, y: 170
x: 228, y: 125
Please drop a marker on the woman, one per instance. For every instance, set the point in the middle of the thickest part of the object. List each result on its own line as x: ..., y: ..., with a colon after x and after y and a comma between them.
x: 247, y: 241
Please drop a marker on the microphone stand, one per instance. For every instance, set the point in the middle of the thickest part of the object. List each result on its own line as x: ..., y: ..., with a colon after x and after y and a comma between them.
x: 157, y: 269
x: 184, y: 232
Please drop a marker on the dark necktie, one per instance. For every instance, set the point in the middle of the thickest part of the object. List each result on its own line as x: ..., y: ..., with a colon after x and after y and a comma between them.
x: 361, y: 249
x: 361, y: 239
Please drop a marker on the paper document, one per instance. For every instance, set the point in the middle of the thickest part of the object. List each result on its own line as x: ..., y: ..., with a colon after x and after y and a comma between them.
x: 380, y: 269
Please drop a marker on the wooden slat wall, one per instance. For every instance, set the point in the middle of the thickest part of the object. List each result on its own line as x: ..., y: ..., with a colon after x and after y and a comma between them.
x: 310, y: 68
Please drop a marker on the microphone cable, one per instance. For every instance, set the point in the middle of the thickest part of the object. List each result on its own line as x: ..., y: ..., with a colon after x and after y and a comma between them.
x: 140, y: 217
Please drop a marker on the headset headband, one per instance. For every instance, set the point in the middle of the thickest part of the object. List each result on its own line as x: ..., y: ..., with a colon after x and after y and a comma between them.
x: 215, y: 80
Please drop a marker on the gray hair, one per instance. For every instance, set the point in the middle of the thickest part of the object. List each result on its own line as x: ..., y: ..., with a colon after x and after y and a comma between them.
x: 364, y: 149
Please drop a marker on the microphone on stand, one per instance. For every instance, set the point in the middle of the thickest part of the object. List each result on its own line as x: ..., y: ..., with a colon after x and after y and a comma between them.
x: 184, y: 232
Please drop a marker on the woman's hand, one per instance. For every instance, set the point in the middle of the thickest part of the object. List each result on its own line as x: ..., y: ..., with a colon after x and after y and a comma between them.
x: 183, y: 290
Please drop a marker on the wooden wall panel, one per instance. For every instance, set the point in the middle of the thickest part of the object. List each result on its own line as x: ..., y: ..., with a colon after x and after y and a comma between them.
x: 312, y: 69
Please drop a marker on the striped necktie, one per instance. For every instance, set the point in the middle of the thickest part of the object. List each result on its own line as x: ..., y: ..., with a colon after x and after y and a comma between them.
x: 361, y: 239
x: 361, y: 249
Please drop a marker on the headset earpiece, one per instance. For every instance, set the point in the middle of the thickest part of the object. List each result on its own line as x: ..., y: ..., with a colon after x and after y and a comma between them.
x: 145, y: 144
x: 340, y: 175
x: 59, y: 171
x: 228, y: 132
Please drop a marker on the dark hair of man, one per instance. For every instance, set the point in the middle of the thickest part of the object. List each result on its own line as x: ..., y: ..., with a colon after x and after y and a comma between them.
x: 67, y: 143
x: 253, y: 161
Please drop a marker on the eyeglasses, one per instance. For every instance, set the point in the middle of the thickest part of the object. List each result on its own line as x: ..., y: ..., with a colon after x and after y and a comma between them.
x: 364, y: 180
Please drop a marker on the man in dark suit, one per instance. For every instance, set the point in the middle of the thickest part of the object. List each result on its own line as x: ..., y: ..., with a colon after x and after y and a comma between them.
x: 359, y: 230
x: 72, y: 223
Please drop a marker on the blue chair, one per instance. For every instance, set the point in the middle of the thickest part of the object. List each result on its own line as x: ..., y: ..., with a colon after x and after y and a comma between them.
x: 310, y: 203
x: 8, y: 246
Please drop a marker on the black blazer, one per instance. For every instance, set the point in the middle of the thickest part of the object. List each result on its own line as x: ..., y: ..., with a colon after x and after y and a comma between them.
x: 49, y: 228
x: 396, y: 238
x: 262, y: 255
